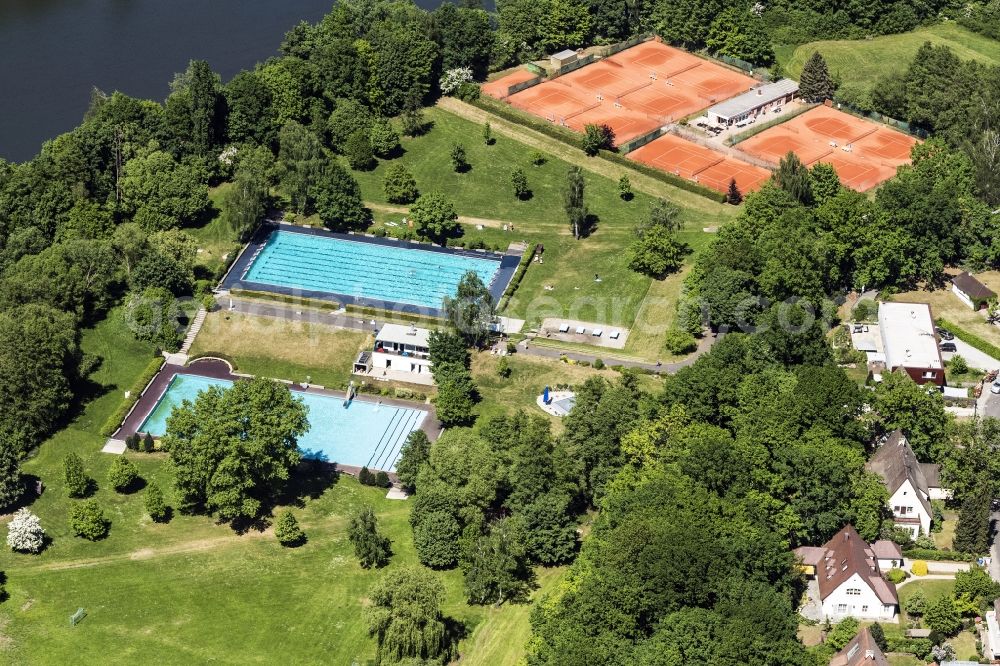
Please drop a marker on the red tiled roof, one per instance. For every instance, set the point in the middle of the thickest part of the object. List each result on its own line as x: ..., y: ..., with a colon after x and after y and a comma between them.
x: 847, y: 554
x: 862, y: 650
x: 887, y: 550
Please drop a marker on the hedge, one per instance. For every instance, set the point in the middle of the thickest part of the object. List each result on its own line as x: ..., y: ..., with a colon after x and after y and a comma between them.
x: 938, y: 555
x: 573, y: 139
x: 915, y: 646
x: 117, y: 416
x: 281, y: 298
x: 393, y: 316
x: 515, y: 281
x: 757, y: 129
x: 971, y: 339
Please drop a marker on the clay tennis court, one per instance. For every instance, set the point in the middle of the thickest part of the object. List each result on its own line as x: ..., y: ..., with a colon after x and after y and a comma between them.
x: 699, y: 164
x: 864, y: 153
x: 498, y: 88
x: 633, y: 91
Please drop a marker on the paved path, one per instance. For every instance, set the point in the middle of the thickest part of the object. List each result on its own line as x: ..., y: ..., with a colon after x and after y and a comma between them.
x: 974, y: 357
x: 525, y: 347
x: 346, y: 320
x: 911, y: 579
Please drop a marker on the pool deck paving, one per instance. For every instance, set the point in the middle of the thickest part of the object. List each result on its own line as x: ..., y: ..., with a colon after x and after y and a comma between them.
x: 219, y: 369
x: 234, y: 278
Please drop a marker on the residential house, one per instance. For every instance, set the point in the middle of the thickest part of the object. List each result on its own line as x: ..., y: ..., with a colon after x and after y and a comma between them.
x: 909, y: 341
x: 849, y: 580
x: 888, y: 554
x: 403, y: 350
x: 862, y: 650
x: 911, y: 484
x: 991, y: 646
x: 971, y: 291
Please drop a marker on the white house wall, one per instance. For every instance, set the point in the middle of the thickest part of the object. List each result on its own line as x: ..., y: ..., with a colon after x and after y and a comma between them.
x: 906, y: 495
x: 864, y: 606
x: 962, y: 296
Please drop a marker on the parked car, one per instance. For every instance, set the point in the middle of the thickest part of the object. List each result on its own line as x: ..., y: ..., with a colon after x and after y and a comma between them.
x: 858, y: 328
x: 945, y: 334
x: 948, y: 347
x: 995, y: 387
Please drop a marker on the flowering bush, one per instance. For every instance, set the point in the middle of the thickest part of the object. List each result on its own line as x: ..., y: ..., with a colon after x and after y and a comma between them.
x: 25, y: 533
x: 454, y: 78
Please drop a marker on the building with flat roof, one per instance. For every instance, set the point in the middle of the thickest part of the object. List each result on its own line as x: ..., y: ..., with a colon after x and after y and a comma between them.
x: 754, y: 103
x: 400, y: 349
x: 910, y: 342
x: 564, y: 57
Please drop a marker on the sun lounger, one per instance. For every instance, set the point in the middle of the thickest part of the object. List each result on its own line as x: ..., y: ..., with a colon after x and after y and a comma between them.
x: 598, y: 332
x: 581, y: 330
x: 564, y: 328
x: 615, y: 335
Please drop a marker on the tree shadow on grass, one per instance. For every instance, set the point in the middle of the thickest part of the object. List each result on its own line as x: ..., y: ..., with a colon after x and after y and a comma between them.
x: 310, y: 480
x: 138, y: 484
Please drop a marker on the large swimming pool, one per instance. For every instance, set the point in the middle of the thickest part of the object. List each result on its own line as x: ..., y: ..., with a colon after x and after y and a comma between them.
x: 386, y: 273
x: 363, y: 434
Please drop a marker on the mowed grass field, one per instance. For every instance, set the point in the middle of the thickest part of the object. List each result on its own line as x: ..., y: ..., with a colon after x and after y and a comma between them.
x: 193, y: 591
x: 280, y: 348
x: 946, y: 305
x: 860, y: 63
x: 563, y: 285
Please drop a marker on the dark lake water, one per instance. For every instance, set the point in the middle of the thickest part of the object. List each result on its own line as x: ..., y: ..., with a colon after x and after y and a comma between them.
x: 53, y: 52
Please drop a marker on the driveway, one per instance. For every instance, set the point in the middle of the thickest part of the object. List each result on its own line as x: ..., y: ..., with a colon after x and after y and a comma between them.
x: 974, y: 357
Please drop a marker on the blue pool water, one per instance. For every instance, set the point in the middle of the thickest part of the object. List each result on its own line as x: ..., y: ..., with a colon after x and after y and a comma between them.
x: 365, y: 270
x: 363, y: 434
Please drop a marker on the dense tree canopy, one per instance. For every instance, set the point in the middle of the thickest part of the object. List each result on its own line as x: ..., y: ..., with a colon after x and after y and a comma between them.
x: 233, y: 450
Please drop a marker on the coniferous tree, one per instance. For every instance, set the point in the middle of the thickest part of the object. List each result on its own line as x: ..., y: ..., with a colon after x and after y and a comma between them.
x: 733, y: 195
x: 972, y: 534
x: 815, y: 83
x: 371, y: 548
x: 576, y: 209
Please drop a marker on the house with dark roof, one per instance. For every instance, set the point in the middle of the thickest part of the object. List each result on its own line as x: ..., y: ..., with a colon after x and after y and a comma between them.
x: 862, y: 650
x: 848, y: 578
x: 971, y: 291
x: 911, y: 484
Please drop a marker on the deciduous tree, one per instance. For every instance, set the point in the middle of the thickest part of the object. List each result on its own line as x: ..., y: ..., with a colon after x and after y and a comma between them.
x: 434, y: 216
x: 25, y: 533
x: 226, y: 456
x: 405, y: 617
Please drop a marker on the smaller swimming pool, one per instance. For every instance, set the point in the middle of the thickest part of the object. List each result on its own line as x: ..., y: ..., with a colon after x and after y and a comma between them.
x: 363, y: 434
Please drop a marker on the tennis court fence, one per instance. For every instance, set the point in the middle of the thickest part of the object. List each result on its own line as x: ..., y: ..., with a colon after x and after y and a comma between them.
x: 575, y: 65
x: 627, y: 44
x: 912, y: 130
x: 641, y: 140
x: 524, y: 85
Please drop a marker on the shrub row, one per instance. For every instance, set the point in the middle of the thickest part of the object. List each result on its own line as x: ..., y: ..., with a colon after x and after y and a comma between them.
x: 376, y: 313
x: 117, y: 416
x: 390, y: 392
x: 971, y: 339
x: 665, y: 177
x: 938, y: 555
x: 282, y: 298
x: 919, y: 647
x: 378, y: 479
x: 515, y: 281
x: 573, y: 139
x: 214, y: 354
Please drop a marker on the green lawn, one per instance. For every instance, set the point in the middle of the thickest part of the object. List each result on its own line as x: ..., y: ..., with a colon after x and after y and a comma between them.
x: 859, y: 63
x: 569, y: 265
x: 214, y: 237
x: 193, y: 591
x: 281, y: 349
